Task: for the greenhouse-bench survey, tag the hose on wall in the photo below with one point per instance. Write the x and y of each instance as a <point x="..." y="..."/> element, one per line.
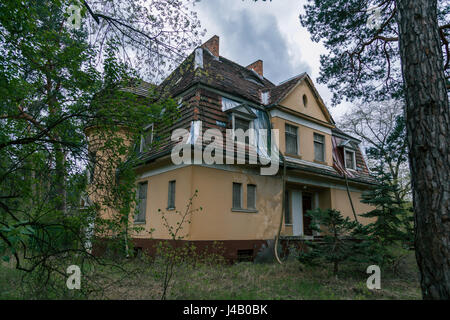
<point x="283" y="209"/>
<point x="349" y="197"/>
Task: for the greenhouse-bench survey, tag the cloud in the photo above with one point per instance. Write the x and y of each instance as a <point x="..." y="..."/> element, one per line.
<point x="248" y="34"/>
<point x="270" y="31"/>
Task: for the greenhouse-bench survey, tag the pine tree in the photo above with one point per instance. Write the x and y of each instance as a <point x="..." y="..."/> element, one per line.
<point x="343" y="239"/>
<point x="392" y="220"/>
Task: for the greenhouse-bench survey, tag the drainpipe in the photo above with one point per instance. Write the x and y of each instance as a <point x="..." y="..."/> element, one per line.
<point x="349" y="197"/>
<point x="283" y="209"/>
<point x="283" y="205"/>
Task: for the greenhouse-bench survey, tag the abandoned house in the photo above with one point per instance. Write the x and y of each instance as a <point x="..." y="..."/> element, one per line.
<point x="322" y="166"/>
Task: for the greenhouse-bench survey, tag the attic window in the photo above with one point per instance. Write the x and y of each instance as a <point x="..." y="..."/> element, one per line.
<point x="265" y="97"/>
<point x="244" y="124"/>
<point x="305" y="100"/>
<point x="198" y="58"/>
<point x="146" y="138"/>
<point x="350" y="159"/>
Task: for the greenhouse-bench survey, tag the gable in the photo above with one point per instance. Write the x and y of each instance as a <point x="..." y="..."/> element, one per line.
<point x="314" y="108"/>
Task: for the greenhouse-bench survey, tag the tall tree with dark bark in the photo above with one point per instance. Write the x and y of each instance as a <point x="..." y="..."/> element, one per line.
<point x="399" y="49"/>
<point x="428" y="127"/>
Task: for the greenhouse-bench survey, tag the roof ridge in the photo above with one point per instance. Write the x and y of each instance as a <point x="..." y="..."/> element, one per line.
<point x="242" y="67"/>
<point x="292" y="78"/>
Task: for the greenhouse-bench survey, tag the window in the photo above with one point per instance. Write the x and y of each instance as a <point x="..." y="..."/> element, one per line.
<point x="305" y="101"/>
<point x="243" y="124"/>
<point x="92" y="160"/>
<point x="291" y="138"/>
<point x="171" y="196"/>
<point x="265" y="97"/>
<point x="350" y="161"/>
<point x="237" y="195"/>
<point x="240" y="123"/>
<point x="245" y="255"/>
<point x="146" y="139"/>
<point x="287" y="209"/>
<point x="251" y="196"/>
<point x="319" y="147"/>
<point x="142" y="202"/>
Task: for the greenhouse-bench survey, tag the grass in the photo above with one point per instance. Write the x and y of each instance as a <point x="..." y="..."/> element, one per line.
<point x="244" y="281"/>
<point x="9" y="282"/>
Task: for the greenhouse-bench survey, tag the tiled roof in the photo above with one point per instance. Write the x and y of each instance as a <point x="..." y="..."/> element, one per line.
<point x="219" y="73"/>
<point x="229" y="77"/>
<point x="278" y="92"/>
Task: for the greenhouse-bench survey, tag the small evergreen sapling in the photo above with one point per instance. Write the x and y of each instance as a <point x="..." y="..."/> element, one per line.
<point x="337" y="244"/>
<point x="392" y="220"/>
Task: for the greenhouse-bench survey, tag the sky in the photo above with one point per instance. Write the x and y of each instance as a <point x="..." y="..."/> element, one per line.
<point x="270" y="31"/>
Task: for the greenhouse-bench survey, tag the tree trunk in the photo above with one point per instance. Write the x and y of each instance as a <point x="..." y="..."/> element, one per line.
<point x="428" y="132"/>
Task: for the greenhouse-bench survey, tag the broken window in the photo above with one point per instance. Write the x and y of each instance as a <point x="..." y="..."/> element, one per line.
<point x="291" y="138"/>
<point x="319" y="147"/>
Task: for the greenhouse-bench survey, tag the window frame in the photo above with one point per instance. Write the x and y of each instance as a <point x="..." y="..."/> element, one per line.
<point x="172" y="187"/>
<point x="254" y="197"/>
<point x="142" y="142"/>
<point x="241" y="196"/>
<point x="305" y="100"/>
<point x="353" y="152"/>
<point x="323" y="146"/>
<point x="251" y="140"/>
<point x="137" y="216"/>
<point x="286" y="133"/>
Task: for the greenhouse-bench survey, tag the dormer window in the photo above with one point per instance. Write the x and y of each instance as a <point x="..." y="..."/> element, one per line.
<point x="240" y="123"/>
<point x="350" y="159"/>
<point x="146" y="139"/>
<point x="244" y="124"/>
<point x="242" y="118"/>
<point x="265" y="97"/>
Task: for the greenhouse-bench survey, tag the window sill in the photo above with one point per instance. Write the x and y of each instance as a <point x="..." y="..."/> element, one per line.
<point x="244" y="210"/>
<point x="139" y="222"/>
<point x="170" y="209"/>
<point x="297" y="156"/>
<point x="321" y="162"/>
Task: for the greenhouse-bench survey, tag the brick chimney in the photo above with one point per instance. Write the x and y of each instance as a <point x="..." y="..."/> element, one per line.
<point x="257" y="66"/>
<point x="212" y="45"/>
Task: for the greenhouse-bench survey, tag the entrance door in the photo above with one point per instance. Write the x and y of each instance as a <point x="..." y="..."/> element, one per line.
<point x="297" y="220"/>
<point x="307" y="200"/>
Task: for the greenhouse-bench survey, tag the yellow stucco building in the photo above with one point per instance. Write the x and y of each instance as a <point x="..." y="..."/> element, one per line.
<point x="242" y="208"/>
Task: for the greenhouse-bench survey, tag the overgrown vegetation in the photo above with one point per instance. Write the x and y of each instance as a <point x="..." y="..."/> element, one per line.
<point x="56" y="82"/>
<point x="244" y="280"/>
